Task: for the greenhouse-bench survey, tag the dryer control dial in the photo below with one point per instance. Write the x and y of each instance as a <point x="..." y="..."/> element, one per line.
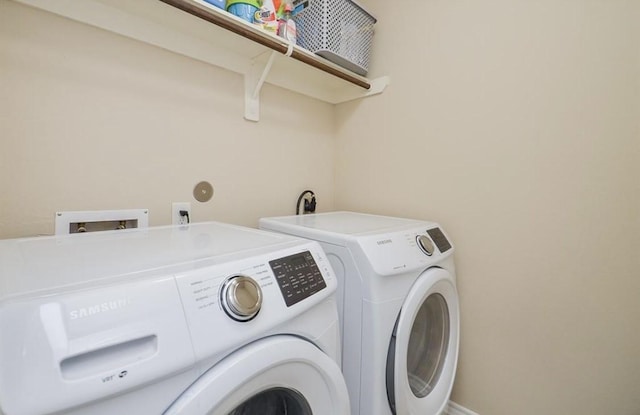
<point x="241" y="297"/>
<point x="425" y="244"/>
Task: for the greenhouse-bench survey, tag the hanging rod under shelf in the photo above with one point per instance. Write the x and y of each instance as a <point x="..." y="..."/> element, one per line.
<point x="264" y="39"/>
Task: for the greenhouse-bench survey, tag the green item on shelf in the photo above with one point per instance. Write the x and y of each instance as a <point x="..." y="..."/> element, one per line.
<point x="255" y="3"/>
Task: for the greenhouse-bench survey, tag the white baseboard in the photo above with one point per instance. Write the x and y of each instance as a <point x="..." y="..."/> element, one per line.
<point x="455" y="409"/>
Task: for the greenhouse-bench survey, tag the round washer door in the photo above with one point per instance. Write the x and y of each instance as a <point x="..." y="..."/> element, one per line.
<point x="424" y="351"/>
<point x="273" y="376"/>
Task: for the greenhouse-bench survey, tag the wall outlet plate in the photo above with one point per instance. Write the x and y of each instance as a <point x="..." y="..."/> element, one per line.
<point x="176" y="217"/>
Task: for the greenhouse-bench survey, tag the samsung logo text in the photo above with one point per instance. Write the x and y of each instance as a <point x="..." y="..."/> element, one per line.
<point x="100" y="308"/>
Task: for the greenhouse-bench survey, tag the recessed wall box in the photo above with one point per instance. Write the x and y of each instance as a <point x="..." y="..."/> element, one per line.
<point x="100" y="220"/>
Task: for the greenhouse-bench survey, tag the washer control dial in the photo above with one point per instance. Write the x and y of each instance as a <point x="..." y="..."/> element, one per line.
<point x="241" y="297"/>
<point x="425" y="244"/>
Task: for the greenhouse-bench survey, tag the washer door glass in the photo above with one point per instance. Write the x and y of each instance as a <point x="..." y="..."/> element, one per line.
<point x="276" y="401"/>
<point x="277" y="375"/>
<point x="428" y="344"/>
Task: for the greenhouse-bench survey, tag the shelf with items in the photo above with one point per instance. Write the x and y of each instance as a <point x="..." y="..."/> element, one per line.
<point x="203" y="32"/>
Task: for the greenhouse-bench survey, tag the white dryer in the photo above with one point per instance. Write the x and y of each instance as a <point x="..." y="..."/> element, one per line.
<point x="398" y="304"/>
<point x="200" y="319"/>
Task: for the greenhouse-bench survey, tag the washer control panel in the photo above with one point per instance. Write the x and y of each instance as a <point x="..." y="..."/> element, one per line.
<point x="232" y="302"/>
<point x="298" y="277"/>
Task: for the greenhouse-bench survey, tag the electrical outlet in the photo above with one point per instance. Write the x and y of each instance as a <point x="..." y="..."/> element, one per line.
<point x="176" y="217"/>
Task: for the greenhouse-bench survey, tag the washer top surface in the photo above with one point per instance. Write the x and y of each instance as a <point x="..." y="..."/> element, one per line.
<point x="49" y="262"/>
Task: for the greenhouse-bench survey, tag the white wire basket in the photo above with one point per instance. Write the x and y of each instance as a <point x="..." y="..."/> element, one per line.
<point x="338" y="30"/>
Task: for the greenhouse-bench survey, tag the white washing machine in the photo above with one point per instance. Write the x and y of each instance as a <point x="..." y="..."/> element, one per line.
<point x="200" y="319"/>
<point x="398" y="304"/>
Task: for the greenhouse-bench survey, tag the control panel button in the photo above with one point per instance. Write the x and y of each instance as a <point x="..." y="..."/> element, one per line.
<point x="425" y="244"/>
<point x="241" y="297"/>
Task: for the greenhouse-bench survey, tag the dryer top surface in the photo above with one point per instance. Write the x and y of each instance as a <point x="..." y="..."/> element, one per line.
<point x="341" y="225"/>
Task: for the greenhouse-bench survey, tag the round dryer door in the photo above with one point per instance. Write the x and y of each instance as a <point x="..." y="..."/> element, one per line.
<point x="423" y="352"/>
<point x="274" y="376"/>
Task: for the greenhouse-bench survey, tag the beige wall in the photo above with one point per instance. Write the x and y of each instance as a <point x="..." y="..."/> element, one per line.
<point x="91" y="120"/>
<point x="515" y="125"/>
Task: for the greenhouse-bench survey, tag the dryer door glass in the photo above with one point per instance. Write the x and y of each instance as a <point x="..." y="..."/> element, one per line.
<point x="428" y="344"/>
<point x="424" y="347"/>
<point x="276" y="401"/>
